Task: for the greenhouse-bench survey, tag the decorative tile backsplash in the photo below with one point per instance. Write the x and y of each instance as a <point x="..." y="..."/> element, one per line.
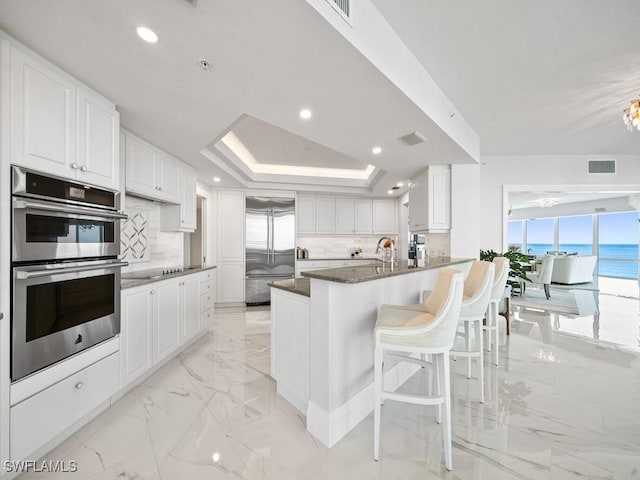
<point x="145" y="245"/>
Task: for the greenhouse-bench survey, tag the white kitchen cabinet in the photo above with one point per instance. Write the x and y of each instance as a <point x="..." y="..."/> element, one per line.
<point x="309" y="265"/>
<point x="345" y="215"/>
<point x="439" y="198"/>
<point x="181" y="218"/>
<point x="190" y="305"/>
<point x="384" y="216"/>
<point x="43" y="116"/>
<point x="59" y="126"/>
<point x="430" y="201"/>
<point x="98" y="160"/>
<point x="136" y="327"/>
<point x="306" y="214"/>
<point x="363" y="221"/>
<point x="231" y="226"/>
<point x="207" y="298"/>
<point x="166" y="325"/>
<point x="42" y="417"/>
<point x="325" y="215"/>
<point x="230" y="282"/>
<point x="150" y="173"/>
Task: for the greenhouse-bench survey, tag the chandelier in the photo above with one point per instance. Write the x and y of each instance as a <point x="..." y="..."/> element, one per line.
<point x="632" y="115"/>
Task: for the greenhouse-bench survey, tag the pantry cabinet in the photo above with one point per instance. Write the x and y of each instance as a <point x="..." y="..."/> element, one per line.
<point x="230" y="245"/>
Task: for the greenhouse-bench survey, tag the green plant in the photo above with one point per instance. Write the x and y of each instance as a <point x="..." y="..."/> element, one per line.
<point x="517" y="261"/>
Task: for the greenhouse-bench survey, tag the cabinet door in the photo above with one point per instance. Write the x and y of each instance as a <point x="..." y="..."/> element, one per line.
<point x="325" y="215"/>
<point x="168" y="178"/>
<point x="188" y="197"/>
<point x="363" y="215"/>
<point x="384" y="216"/>
<point x="141" y="162"/>
<point x="418" y="204"/>
<point x="230" y="282"/>
<point x="439" y="204"/>
<point x="345" y="215"/>
<point x="166" y="330"/>
<point x="190" y="306"/>
<point x="98" y="142"/>
<point x="136" y="355"/>
<point x="231" y="231"/>
<point x="43" y="117"/>
<point x="306" y="218"/>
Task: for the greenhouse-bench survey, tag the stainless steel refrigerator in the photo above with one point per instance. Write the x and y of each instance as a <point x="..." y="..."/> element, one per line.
<point x="269" y="250"/>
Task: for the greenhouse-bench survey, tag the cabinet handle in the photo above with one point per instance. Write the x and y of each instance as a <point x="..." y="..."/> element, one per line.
<point x="83" y="168"/>
<point x="182" y="284"/>
<point x="152" y="292"/>
<point x="159" y="188"/>
<point x="74" y="166"/>
<point x="79" y="385"/>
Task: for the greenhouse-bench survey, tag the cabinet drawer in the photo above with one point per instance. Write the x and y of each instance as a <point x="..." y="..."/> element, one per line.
<point x="206" y="301"/>
<point x="207" y="275"/>
<point x="206" y="287"/>
<point x="206" y="318"/>
<point x="40" y="418"/>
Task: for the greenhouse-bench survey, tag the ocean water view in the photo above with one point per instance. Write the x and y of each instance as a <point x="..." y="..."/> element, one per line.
<point x="611" y="256"/>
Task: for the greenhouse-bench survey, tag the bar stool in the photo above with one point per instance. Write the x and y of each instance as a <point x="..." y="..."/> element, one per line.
<point x="477" y="291"/>
<point x="497" y="294"/>
<point x="429" y="329"/>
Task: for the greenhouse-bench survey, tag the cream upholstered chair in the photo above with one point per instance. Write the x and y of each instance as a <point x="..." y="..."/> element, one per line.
<point x="543" y="274"/>
<point x="477" y="292"/>
<point x="427" y="329"/>
<point x="497" y="293"/>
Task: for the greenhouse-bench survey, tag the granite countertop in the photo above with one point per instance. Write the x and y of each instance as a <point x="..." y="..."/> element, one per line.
<point x="144" y="277"/>
<point x="300" y="286"/>
<point x="366" y="273"/>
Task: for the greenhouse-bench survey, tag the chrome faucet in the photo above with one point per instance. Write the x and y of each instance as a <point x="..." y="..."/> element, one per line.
<point x="391" y="241"/>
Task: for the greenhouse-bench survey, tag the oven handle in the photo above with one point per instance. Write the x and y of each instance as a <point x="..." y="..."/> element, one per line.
<point x="34" y="204"/>
<point x="23" y="275"/>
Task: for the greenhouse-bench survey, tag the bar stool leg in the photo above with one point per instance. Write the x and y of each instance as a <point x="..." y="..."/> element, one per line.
<point x="467" y="339"/>
<point x="446" y="391"/>
<point x="481" y="361"/>
<point x="489" y="320"/>
<point x="377" y="397"/>
<point x="437" y="365"/>
<point x="496" y="316"/>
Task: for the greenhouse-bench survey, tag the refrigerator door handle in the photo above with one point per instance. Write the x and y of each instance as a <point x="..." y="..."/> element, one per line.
<point x="268" y="236"/>
<point x="273" y="235"/>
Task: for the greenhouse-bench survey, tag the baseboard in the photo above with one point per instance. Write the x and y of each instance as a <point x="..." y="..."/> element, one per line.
<point x="294" y="396"/>
<point x="330" y="427"/>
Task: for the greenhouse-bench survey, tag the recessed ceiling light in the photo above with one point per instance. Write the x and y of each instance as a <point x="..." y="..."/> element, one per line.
<point x="376" y="150"/>
<point x="147" y="34"/>
<point x="399" y="184"/>
<point x="390" y="192"/>
<point x="216" y="179"/>
<point x="305" y="114"/>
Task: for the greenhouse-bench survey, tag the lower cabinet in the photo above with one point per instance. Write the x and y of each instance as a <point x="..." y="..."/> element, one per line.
<point x="207" y="298"/>
<point x="231" y="282"/>
<point x="40" y="418"/>
<point x="156" y="320"/>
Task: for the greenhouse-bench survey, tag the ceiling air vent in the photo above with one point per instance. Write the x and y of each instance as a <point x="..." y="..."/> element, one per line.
<point x="343" y="7"/>
<point x="601" y="166"/>
<point x="413" y="138"/>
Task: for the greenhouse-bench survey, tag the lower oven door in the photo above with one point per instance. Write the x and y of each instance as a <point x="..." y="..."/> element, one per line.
<point x="61" y="309"/>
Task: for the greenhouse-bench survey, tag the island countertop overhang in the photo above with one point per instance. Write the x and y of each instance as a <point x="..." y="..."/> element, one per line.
<point x="367" y="273"/>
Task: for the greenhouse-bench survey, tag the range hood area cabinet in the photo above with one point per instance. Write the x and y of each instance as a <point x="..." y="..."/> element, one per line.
<point x="430" y="201"/>
<point x="345" y="215"/>
<point x="58" y="125"/>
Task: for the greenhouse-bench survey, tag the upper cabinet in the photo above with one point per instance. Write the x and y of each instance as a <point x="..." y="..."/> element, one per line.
<point x="151" y="173"/>
<point x="430" y="201"/>
<point x="345" y="215"/>
<point x="182" y="218"/>
<point x="59" y="126"/>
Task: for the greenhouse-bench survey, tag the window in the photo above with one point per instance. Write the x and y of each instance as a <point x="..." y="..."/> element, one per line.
<point x="514" y="234"/>
<point x="618" y="245"/>
<point x="575" y="234"/>
<point x="539" y="236"/>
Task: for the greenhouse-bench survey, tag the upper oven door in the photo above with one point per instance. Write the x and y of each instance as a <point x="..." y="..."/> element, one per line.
<point x="54" y="231"/>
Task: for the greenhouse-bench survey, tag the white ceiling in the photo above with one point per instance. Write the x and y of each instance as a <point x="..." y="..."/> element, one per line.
<point x="530" y="77"/>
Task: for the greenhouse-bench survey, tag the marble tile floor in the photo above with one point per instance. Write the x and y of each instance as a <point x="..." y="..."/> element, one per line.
<point x="567" y="410"/>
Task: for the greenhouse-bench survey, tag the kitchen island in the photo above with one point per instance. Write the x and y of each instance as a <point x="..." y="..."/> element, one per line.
<point x="322" y="338"/>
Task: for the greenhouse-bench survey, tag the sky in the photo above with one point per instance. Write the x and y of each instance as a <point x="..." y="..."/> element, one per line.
<point x="613" y="228"/>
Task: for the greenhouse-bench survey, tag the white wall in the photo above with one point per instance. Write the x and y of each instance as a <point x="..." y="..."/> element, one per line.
<point x="466" y="211"/>
<point x="499" y="173"/>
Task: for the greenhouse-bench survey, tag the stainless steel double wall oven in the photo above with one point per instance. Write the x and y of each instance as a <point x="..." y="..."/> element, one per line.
<point x="66" y="274"/>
